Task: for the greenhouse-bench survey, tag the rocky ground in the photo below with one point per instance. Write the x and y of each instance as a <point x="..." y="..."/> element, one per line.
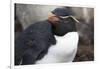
<point x="84" y="53"/>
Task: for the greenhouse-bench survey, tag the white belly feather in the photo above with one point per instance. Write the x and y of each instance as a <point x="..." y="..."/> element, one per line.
<point x="64" y="50"/>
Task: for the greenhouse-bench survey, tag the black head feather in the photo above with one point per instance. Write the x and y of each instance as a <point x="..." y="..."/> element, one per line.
<point x="64" y="26"/>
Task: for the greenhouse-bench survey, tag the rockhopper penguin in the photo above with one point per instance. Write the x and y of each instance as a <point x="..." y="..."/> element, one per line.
<point x="49" y="41"/>
<point x="66" y="36"/>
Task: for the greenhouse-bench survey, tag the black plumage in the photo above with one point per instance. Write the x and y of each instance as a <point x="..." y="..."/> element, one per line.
<point x="33" y="43"/>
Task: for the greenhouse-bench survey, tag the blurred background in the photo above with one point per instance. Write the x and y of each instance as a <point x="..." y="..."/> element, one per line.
<point x="27" y="14"/>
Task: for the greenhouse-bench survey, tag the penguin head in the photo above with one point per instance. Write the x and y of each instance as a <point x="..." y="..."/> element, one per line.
<point x="64" y="25"/>
<point x="62" y="21"/>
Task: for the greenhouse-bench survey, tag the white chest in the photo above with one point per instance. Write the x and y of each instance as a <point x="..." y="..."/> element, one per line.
<point x="64" y="50"/>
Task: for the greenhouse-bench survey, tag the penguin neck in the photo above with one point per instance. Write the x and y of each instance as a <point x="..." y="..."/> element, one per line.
<point x="63" y="29"/>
